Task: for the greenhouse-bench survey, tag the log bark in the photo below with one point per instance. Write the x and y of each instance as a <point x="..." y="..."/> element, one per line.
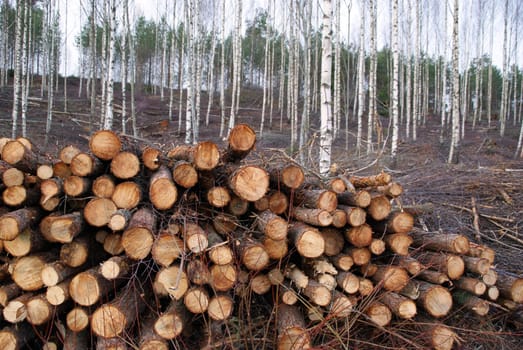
<point x="481" y="251"/>
<point x="453" y="243"/>
<point x="119" y="220"/>
<point x="510" y="286"/>
<point x="225" y="224"/>
<point x="148" y="338"/>
<point x="434" y="299"/>
<point x="398" y="243"/>
<point x="118" y="343"/>
<point x="396" y="222"/>
<point x="15" y="153"/>
<point x="56" y="272"/>
<point x="278" y="202"/>
<point x="317" y="293"/>
<point x="391" y="190"/>
<point x="14" y="222"/>
<point x="479" y="266"/>
<point x="320" y="199"/>
<point x="339" y="218"/>
<point x="300" y="279"/>
<point x="98" y="211"/>
<point x="292" y="333"/>
<point x="9" y="292"/>
<point x="105" y="144"/>
<point x="162" y="190"/>
<point x="112" y="319"/>
<point x="308" y="240"/>
<point x="292" y="176"/>
<point x="450" y="264"/>
<point x="410" y="264"/>
<point x="171" y="281"/>
<point x="238" y="206"/>
<point x="359" y="198"/>
<point x="348" y="281"/>
<point x="61" y="170"/>
<point x="128" y="194"/>
<point x="334" y="241"/>
<point x="380" y="179"/>
<point x="435" y="277"/>
<point x="253" y="255"/>
<point x="198" y="272"/>
<point x="400" y="305"/>
<point x="355" y="216"/>
<point x="471" y="285"/>
<point x="272" y="225"/>
<point x="28" y="241"/>
<point x="195" y="238"/>
<point x="84" y="164"/>
<point x="62" y="228"/>
<point x="359" y="236"/>
<point x="138" y="238"/>
<point x="14" y="338"/>
<point x="471" y="302"/>
<point x="76" y="186"/>
<point x="58" y="294"/>
<point x="88" y="287"/>
<point x="391" y="278"/>
<point x="172" y="321"/>
<point x="241" y="141"/>
<point x="249" y="182"/>
<point x="115" y="267"/>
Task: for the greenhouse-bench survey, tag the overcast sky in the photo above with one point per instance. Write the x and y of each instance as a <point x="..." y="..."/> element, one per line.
<point x="152" y="9"/>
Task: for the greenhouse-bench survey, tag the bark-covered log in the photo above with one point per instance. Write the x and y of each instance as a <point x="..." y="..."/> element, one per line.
<point x="400" y="305"/>
<point x="434" y="299"/>
<point x="162" y="190"/>
<point x="103" y="186"/>
<point x="471" y="285"/>
<point x="471" y="302"/>
<point x="308" y="240"/>
<point x="249" y="182"/>
<point x="84" y="164"/>
<point x="359" y="236"/>
<point x="151" y="158"/>
<point x="510" y="286"/>
<point x="379" y="313"/>
<point x="28" y="241"/>
<point x="62" y="228"/>
<point x="292" y="176"/>
<point x="27" y="271"/>
<point x="14" y="338"/>
<point x="480" y="266"/>
<point x="89" y="287"/>
<point x="380" y="179"/>
<point x="184" y="174"/>
<point x="198" y="272"/>
<point x="320" y="199"/>
<point x="450" y="264"/>
<point x="391" y="278"/>
<point x="360" y="198"/>
<point x="196" y="300"/>
<point x="453" y="243"/>
<point x="355" y="216"/>
<point x="138" y="238"/>
<point x="396" y="222"/>
<point x="172" y="321"/>
<point x="481" y="251"/>
<point x="14" y="222"/>
<point x="17" y="154"/>
<point x="241" y="141"/>
<point x="398" y="243"/>
<point x="334" y="241"/>
<point x="272" y="225"/>
<point x="98" y="211"/>
<point x="435" y="277"/>
<point x="77" y="319"/>
<point x="315" y="217"/>
<point x="379" y="207"/>
<point x="292" y="333"/>
<point x="220" y="307"/>
<point x="9" y="292"/>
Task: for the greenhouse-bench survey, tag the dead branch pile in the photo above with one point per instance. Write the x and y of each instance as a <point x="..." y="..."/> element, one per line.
<point x="119" y="245"/>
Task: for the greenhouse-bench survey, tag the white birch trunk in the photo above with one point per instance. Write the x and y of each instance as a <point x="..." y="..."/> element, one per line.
<point x="337" y="71"/>
<point x="171" y="63"/>
<point x="416" y="100"/>
<point x="348" y="82"/>
<point x="124" y="39"/>
<point x="325" y="90"/>
<point x="454" y="145"/>
<point x="444" y="96"/>
<point x="190" y="57"/>
<point x="108" y="122"/>
<point x="222" y="72"/>
<point x="25" y="65"/>
<point x="51" y="69"/>
<point x="395" y="77"/>
<point x="504" y="89"/>
<point x="92" y="40"/>
<point x="372" y="75"/>
<point x="18" y="65"/>
<point x="361" y="78"/>
<point x="65" y="60"/>
<point x="210" y="80"/>
<point x="266" y="77"/>
<point x="304" y="129"/>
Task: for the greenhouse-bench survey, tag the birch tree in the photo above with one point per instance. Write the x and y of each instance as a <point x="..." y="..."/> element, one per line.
<point x="108" y="121"/>
<point x="395" y="78"/>
<point x="372" y="75"/>
<point x="325" y="93"/>
<point x="18" y="65"/>
<point x="416" y="99"/>
<point x="361" y="77"/>
<point x="307" y="79"/>
<point x="92" y="42"/>
<point x="337" y="70"/>
<point x="210" y="79"/>
<point x="222" y="72"/>
<point x="237" y="58"/>
<point x="504" y="89"/>
<point x="123" y="46"/>
<point x="51" y="64"/>
<point x="172" y="62"/>
<point x="454" y="145"/>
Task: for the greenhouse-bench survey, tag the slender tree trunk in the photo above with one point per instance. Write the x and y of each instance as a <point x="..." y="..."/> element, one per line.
<point x="210" y="82"/>
<point x="336" y="107"/>
<point x="189" y="108"/>
<point x="222" y="73"/>
<point x="237" y="65"/>
<point x="181" y="59"/>
<point x="504" y="89"/>
<point x="444" y="96"/>
<point x="163" y="69"/>
<point x="372" y="75"/>
<point x="104" y="61"/>
<point x="92" y="41"/>
<point x="454" y="145"/>
<point x="325" y="91"/>
<point x="348" y="82"/>
<point x="416" y="101"/>
<point x="124" y="38"/>
<point x="25" y="65"/>
<point x="171" y="63"/>
<point x="65" y="60"/>
<point x="18" y="65"/>
<point x="361" y="78"/>
<point x="51" y="64"/>
<point x="408" y="77"/>
<point x="108" y="122"/>
<point x="307" y="81"/>
<point x="479" y="63"/>
<point x="395" y="73"/>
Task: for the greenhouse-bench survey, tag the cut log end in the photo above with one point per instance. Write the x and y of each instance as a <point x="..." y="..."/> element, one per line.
<point x="105" y="144"/>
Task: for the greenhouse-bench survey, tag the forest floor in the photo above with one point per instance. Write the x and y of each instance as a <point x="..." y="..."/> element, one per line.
<point x="487" y="173"/>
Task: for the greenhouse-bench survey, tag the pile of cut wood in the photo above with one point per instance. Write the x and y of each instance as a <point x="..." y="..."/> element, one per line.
<point x="121" y="246"/>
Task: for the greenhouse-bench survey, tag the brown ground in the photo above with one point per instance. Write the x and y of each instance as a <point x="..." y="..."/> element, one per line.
<point x="487" y="171"/>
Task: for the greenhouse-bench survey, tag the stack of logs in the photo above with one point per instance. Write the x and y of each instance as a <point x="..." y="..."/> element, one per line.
<point x="121" y="246"/>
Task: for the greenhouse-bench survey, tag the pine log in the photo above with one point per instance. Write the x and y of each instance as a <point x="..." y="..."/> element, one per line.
<point x="198" y="272"/>
<point x="151" y="158"/>
<point x="44" y="172"/>
<point x="400" y="305"/>
<point x="40" y="311"/>
<point x="84" y="164"/>
<point x="471" y="302"/>
<point x="223" y="277"/>
<point x="125" y="165"/>
<point x="315" y="217"/>
<point x="117" y="343"/>
<point x="377" y="246"/>
<point x="58" y="294"/>
<point x="103" y="186"/>
<point x="105" y="144"/>
<point x="241" y="141"/>
<point x="115" y="267"/>
<point x="262" y="204"/>
<point x="16" y="153"/>
<point x="218" y="196"/>
<point x="439" y="336"/>
<point x="61" y="170"/>
<point x="67" y="153"/>
<point x="344" y="262"/>
<point x="292" y="176"/>
<point x="77" y="319"/>
<point x="379" y="207"/>
<point x="379" y="313"/>
<point x="13" y="177"/>
<point x="127" y="195"/>
<point x="411" y="290"/>
<point x="162" y="190"/>
<point x="348" y="281"/>
<point x="337" y="185"/>
<point x="77" y="252"/>
<point x="119" y="220"/>
<point x="8" y="292"/>
<point x="225" y="223"/>
<point x="287" y="294"/>
<point x="249" y="182"/>
<point x="88" y="287"/>
<point x="238" y="206"/>
<point x="320" y="199"/>
<point x="260" y="284"/>
<point x="272" y="225"/>
<point x="490" y="278"/>
<point x="276" y="249"/>
<point x="196" y="300"/>
<point x="360" y="256"/>
<point x="480" y="266"/>
<point x="206" y="156"/>
<point x="366" y="287"/>
<point x="392" y="190"/>
<point x="435" y="277"/>
<point x="195" y="238"/>
<point x="359" y="236"/>
<point x="14" y="222"/>
<point x="380" y="179"/>
<point x="75" y="186"/>
<point x="510" y="286"/>
<point x="16" y="196"/>
<point x="75" y="340"/>
<point x="172" y="321"/>
<point x="113" y="244"/>
<point x="317" y="293"/>
<point x="359" y="199"/>
<point x="453" y="243"/>
<point x="62" y="228"/>
<point x="292" y="333"/>
<point x="113" y="318"/>
<point x="171" y="281"/>
<point x="27" y="270"/>
<point x="434" y="299"/>
<point x="492" y="293"/>
<point x="278" y="202"/>
<point x="50" y="204"/>
<point x="391" y="278"/>
<point x="98" y="211"/>
<point x="398" y="243"/>
<point x="410" y="264"/>
<point x="14" y="338"/>
<point x="184" y="174"/>
<point x="396" y="222"/>
<point x="220" y="307"/>
<point x="334" y="241"/>
<point x="56" y="272"/>
<point x="341" y="305"/>
<point x="308" y="240"/>
<point x="297" y="276"/>
<point x="481" y="251"/>
<point x="15" y="311"/>
<point x="137" y="239"/>
<point x="166" y="249"/>
<point x="28" y="241"/>
<point x="148" y="338"/>
<point x="50" y="188"/>
<point x="253" y="254"/>
<point x="355" y="216"/>
<point x="339" y="218"/>
<point x="450" y="264"/>
<point x="471" y="285"/>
